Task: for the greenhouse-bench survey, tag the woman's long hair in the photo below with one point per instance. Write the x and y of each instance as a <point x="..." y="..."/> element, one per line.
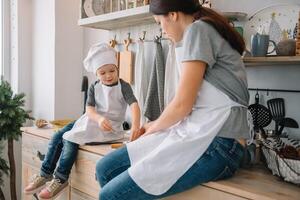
<point x="193" y="7"/>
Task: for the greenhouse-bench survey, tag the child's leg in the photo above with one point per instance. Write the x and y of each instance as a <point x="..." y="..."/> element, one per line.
<point x="66" y="160"/>
<point x="54" y="150"/>
<point x="61" y="175"/>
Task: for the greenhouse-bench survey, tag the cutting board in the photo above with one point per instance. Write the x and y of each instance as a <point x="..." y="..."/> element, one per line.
<point x="126" y="64"/>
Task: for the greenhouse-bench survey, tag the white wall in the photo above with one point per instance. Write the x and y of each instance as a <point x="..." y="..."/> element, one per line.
<point x="43" y="58"/>
<point x="56" y="60"/>
<point x="68" y="60"/>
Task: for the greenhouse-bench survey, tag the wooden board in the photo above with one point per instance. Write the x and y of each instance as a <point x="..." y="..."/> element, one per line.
<point x="272" y="60"/>
<point x="204" y="192"/>
<point x="126" y="68"/>
<point x="77" y="195"/>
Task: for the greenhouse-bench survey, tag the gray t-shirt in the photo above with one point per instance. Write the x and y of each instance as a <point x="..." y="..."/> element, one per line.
<point x="225" y="70"/>
<point x="125" y="89"/>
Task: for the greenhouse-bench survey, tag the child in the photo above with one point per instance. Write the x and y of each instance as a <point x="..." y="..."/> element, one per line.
<point x="105" y="112"/>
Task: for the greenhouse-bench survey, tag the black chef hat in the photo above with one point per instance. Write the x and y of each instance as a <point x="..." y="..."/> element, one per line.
<point x="162" y="7"/>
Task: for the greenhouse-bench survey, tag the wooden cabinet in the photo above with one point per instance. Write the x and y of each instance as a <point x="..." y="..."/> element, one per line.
<point x="255" y="183"/>
<point x="83" y="173"/>
<point x="34" y="147"/>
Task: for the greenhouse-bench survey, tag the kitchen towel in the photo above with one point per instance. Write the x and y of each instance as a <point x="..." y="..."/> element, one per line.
<point x="171" y="75"/>
<point x="154" y="103"/>
<point x="140" y="77"/>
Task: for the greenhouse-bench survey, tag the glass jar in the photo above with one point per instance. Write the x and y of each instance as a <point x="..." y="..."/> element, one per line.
<point x="122" y="4"/>
<point x="115" y="5"/>
<point x="140" y="3"/>
<point x="131" y="4"/>
<point x="107" y="6"/>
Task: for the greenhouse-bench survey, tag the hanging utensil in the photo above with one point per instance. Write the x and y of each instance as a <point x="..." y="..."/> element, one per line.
<point x="287" y="122"/>
<point x="261" y="115"/>
<point x="277" y="109"/>
<point x="84" y="89"/>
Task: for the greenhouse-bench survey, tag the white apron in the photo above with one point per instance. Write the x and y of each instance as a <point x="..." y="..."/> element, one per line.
<point x="110" y="104"/>
<point x="160" y="159"/>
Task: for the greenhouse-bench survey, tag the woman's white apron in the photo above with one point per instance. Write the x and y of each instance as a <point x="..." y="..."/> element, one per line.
<point x="110" y="104"/>
<point x="160" y="159"/>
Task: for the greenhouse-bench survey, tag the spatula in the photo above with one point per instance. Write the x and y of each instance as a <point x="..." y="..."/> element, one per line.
<point x="277" y="109"/>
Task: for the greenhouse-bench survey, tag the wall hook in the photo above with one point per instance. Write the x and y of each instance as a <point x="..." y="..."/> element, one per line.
<point x="144" y="36"/>
<point x="160" y="35"/>
<point x="127" y="42"/>
<point x="113" y="42"/>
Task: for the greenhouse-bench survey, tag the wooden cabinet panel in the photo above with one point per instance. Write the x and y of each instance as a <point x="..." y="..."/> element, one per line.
<point x="83" y="173"/>
<point x="205" y="193"/>
<point x="27" y="172"/>
<point x="77" y="195"/>
<point x="31" y="147"/>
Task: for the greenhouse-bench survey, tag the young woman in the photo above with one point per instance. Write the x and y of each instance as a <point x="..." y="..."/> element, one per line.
<point x="200" y="135"/>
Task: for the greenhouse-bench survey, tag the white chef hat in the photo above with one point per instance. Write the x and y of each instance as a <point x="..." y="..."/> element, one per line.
<point x="99" y="55"/>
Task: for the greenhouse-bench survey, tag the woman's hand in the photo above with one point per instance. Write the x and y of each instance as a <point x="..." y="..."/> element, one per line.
<point x="104" y="124"/>
<point x="136" y="134"/>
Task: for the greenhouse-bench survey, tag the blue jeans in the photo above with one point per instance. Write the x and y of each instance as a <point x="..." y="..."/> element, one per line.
<point x="62" y="150"/>
<point x="220" y="161"/>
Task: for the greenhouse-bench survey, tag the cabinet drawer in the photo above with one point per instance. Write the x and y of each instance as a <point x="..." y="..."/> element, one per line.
<point x="205" y="193"/>
<point x="77" y="195"/>
<point x="83" y="174"/>
<point x="31" y="147"/>
<point x="27" y="172"/>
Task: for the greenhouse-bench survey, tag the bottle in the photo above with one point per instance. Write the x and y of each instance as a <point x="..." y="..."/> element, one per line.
<point x="275" y="30"/>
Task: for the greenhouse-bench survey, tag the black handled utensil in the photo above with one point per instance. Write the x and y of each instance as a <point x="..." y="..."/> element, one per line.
<point x="287" y="122"/>
<point x="84" y="88"/>
<point x="277" y="109"/>
<point x="261" y="115"/>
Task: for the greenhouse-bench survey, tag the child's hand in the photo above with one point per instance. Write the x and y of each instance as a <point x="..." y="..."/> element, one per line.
<point x="104" y="124"/>
<point x="135" y="134"/>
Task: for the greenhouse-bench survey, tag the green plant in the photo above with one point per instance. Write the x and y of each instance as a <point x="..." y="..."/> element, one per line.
<point x="3" y="171"/>
<point x="12" y="117"/>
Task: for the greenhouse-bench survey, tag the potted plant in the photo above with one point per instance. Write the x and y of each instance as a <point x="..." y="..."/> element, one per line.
<point x="12" y="117"/>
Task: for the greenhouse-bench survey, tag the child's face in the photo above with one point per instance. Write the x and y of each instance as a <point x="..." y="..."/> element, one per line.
<point x="108" y="74"/>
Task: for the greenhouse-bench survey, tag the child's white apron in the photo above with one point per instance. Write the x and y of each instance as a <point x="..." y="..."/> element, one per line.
<point x="160" y="159"/>
<point x="110" y="104"/>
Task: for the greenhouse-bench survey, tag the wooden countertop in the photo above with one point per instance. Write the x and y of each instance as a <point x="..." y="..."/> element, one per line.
<point x="256" y="183"/>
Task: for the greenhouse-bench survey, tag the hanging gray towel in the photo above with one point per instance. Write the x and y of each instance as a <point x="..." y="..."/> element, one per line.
<point x="154" y="104"/>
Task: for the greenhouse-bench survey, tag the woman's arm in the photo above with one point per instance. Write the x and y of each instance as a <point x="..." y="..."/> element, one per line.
<point x="185" y="97"/>
<point x="136" y="117"/>
<point x="103" y="123"/>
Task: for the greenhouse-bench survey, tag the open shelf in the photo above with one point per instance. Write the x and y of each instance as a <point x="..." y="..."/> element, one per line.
<point x="120" y="19"/>
<point x="132" y="17"/>
<point x="272" y="60"/>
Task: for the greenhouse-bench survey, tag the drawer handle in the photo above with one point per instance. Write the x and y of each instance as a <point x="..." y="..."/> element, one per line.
<point x="40" y="156"/>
